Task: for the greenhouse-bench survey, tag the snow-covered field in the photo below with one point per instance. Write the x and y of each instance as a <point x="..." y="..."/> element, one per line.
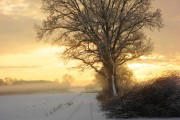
<point x="71" y="106"/>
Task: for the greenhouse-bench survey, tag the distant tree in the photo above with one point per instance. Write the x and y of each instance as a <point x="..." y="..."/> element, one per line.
<point x="67" y="81"/>
<point x="91" y="88"/>
<point x="9" y="81"/>
<point x="56" y="80"/>
<point x="101" y="33"/>
<point x="1" y="82"/>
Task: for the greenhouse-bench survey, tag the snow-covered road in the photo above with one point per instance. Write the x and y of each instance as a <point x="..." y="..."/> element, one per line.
<point x="50" y="107"/>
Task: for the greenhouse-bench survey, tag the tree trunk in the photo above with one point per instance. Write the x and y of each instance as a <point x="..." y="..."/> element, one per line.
<point x="113" y="86"/>
<point x="112" y="81"/>
<point x="113" y="78"/>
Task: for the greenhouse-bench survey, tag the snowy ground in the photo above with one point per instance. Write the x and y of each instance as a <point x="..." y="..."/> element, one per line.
<point x="50" y="107"/>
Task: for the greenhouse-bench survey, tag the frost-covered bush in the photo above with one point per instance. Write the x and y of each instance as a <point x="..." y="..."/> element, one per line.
<point x="160" y="98"/>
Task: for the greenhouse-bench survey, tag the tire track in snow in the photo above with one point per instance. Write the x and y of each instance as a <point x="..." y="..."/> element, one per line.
<point x="61" y="105"/>
<point x="74" y="112"/>
<point x="91" y="109"/>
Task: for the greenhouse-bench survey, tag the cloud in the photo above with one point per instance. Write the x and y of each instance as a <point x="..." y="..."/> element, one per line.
<point x="21" y="7"/>
<point x="17" y="35"/>
<point x="166" y="41"/>
<point x="154" y="65"/>
<point x="152" y="57"/>
<point x="173" y="59"/>
<point x="21" y="67"/>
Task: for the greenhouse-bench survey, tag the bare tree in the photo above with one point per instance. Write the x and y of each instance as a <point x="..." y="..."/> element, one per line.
<point x="1" y="82"/>
<point x="67" y="81"/>
<point x="100" y="33"/>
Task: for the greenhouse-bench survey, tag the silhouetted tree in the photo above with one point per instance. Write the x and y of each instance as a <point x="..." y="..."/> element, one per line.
<point x="67" y="81"/>
<point x="1" y="82"/>
<point x="91" y="88"/>
<point x="8" y="81"/>
<point x="100" y="33"/>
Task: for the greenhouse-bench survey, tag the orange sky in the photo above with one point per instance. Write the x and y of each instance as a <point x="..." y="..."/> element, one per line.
<point x="22" y="57"/>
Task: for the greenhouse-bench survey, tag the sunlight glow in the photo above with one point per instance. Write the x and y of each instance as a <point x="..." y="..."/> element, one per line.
<point x="152" y="57"/>
<point x="144" y="71"/>
<point x="49" y="50"/>
<point x="41" y="64"/>
<point x="139" y="65"/>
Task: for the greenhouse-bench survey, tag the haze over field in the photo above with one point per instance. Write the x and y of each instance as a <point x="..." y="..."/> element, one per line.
<point x="21" y="56"/>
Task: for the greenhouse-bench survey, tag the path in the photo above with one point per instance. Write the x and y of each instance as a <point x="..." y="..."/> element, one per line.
<point x="84" y="107"/>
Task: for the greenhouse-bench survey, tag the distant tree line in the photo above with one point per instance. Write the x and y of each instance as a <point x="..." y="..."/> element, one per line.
<point x="7" y="81"/>
<point x="19" y="86"/>
<point x="11" y="81"/>
<point x="65" y="83"/>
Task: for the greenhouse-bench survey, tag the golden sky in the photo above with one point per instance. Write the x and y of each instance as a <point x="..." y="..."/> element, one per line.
<point x="22" y="57"/>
